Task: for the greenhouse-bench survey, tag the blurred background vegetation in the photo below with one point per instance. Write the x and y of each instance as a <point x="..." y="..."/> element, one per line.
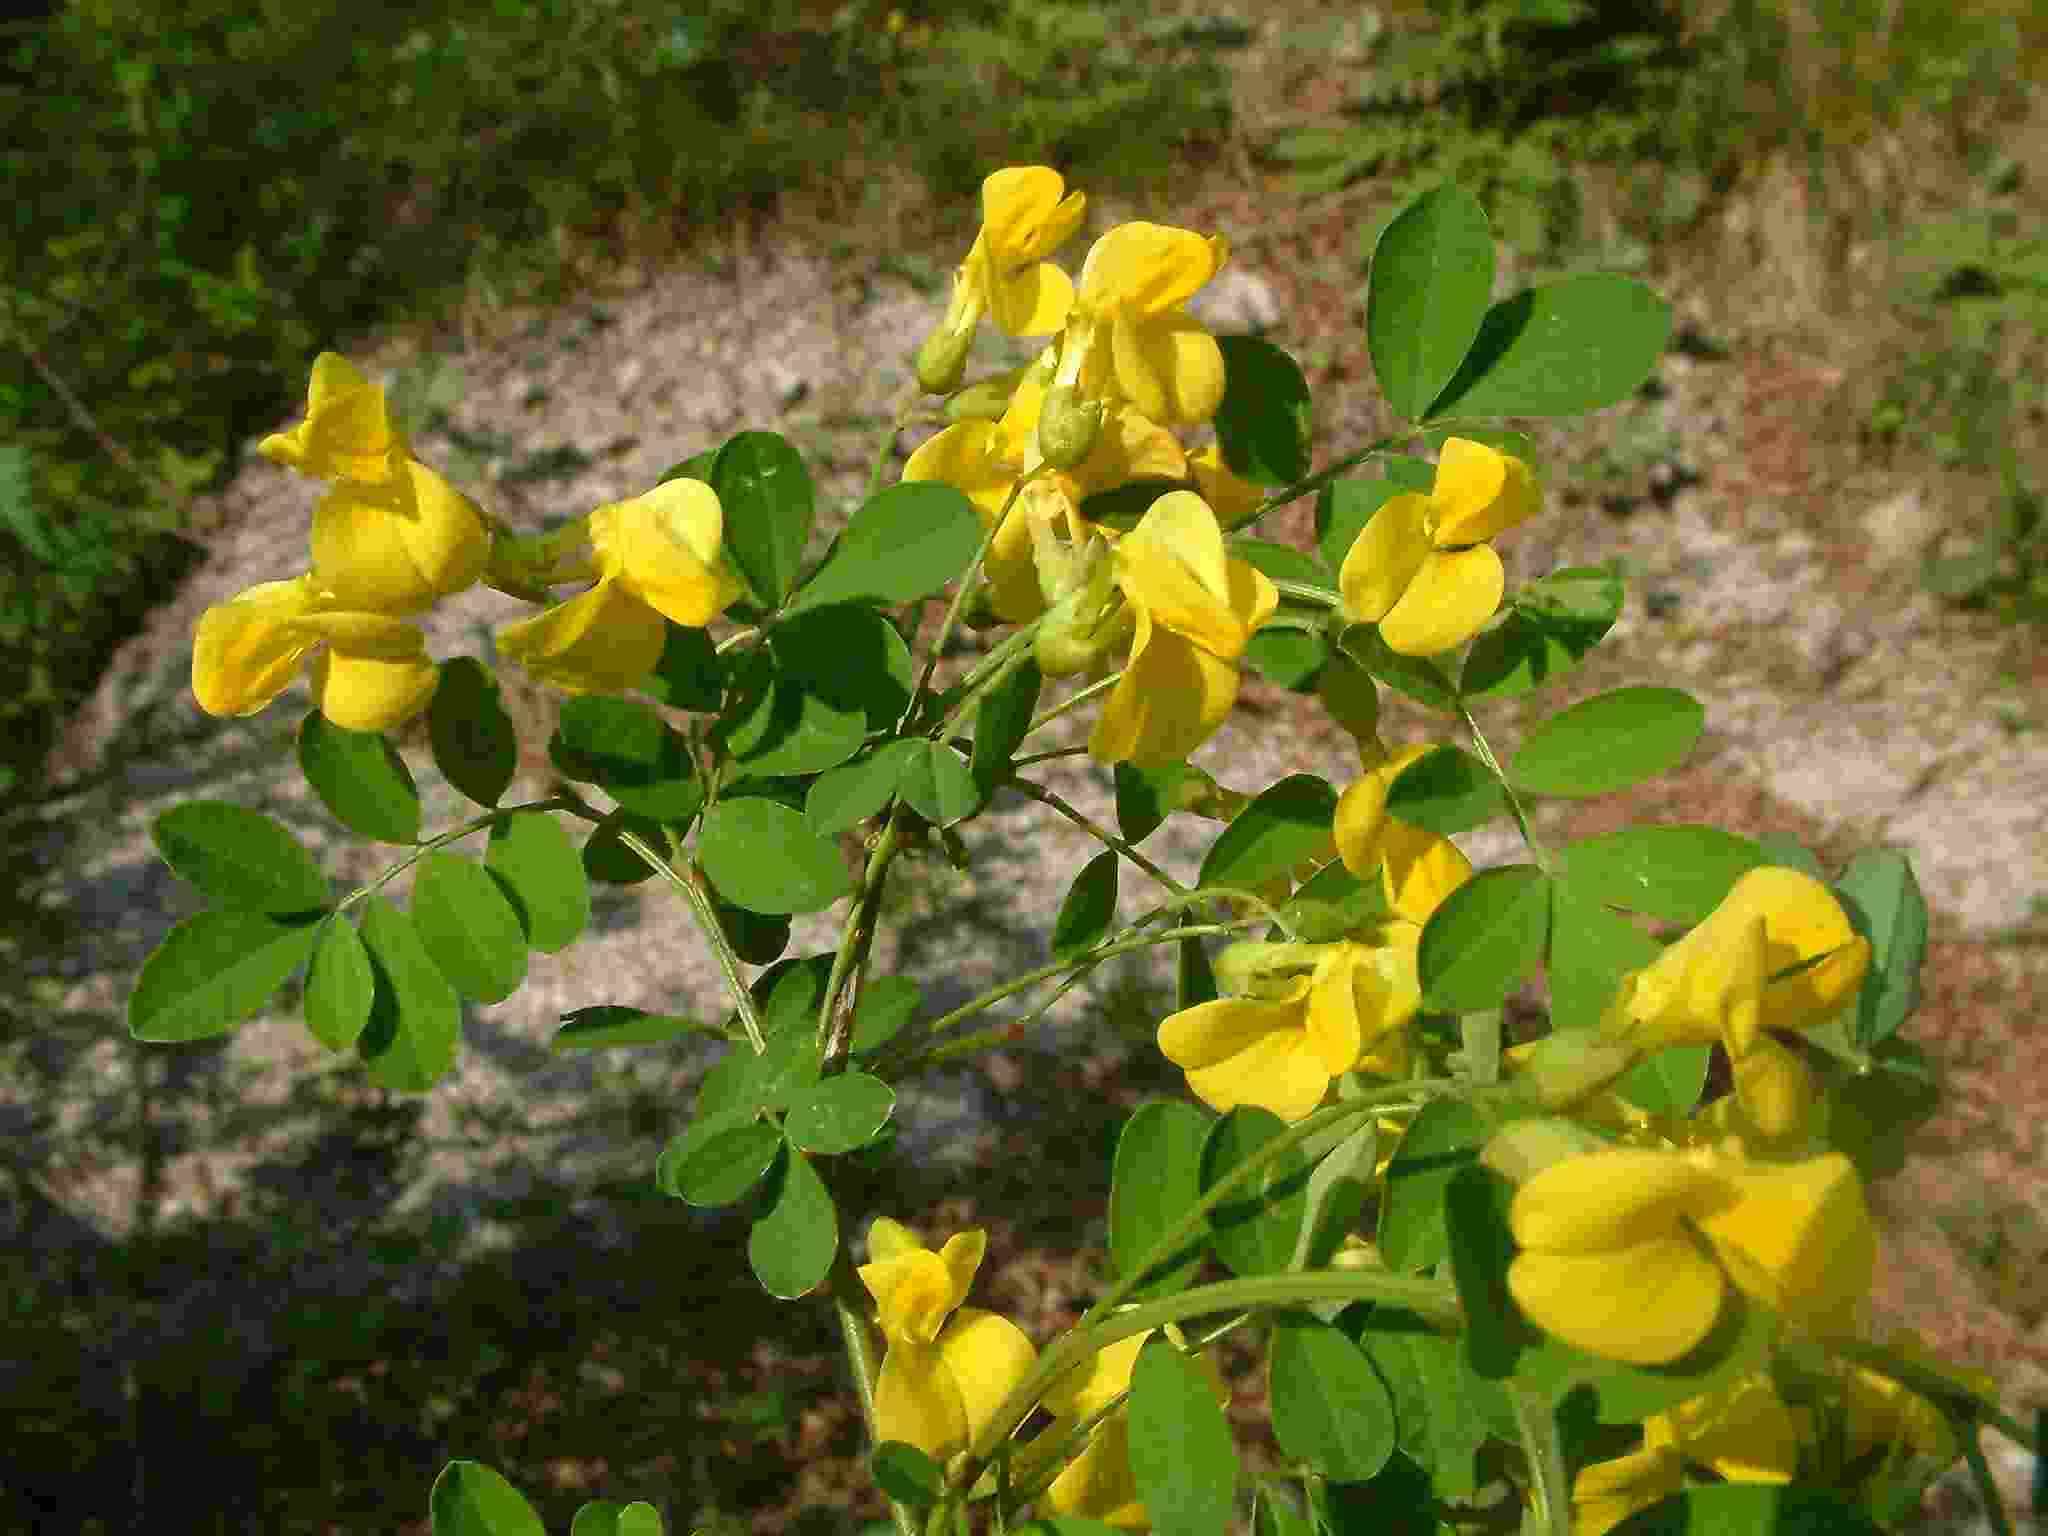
<point x="204" y="193"/>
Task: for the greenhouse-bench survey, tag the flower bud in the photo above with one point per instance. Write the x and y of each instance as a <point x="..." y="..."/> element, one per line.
<point x="1249" y="966"/>
<point x="942" y="360"/>
<point x="1068" y="426"/>
<point x="985" y="399"/>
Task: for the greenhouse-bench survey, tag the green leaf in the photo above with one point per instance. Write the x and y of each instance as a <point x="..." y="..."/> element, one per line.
<point x="763" y="857"/>
<point x="610" y="1024"/>
<point x="1289" y="658"/>
<point x="1401" y="1501"/>
<point x="1884" y="904"/>
<point x="1333" y="901"/>
<point x="1288" y="823"/>
<point x="1330" y="1408"/>
<point x="470" y="930"/>
<point x="1669" y="1082"/>
<point x="1343" y="508"/>
<point x="1679" y="873"/>
<point x="1484" y="938"/>
<point x="1194" y="979"/>
<point x="1786" y="851"/>
<point x="1408" y="472"/>
<point x="1444" y="1136"/>
<point x="690" y="674"/>
<point x="1609" y="742"/>
<point x="212" y="971"/>
<point x="340" y="985"/>
<point x="1550" y="628"/>
<point x="768" y="502"/>
<point x="1442" y="1412"/>
<point x="938" y="784"/>
<point x="474" y="743"/>
<point x="361" y="779"/>
<point x="1275" y="1514"/>
<point x="825" y="680"/>
<point x="905" y="542"/>
<point x="1872" y="1115"/>
<point x="906" y="1474"/>
<point x="469" y="1499"/>
<point x="1560" y="350"/>
<point x="1416" y="676"/>
<point x="1476" y="1229"/>
<point x="1591" y="949"/>
<point x="602" y="1517"/>
<point x="1089" y="909"/>
<point x="791" y="1247"/>
<point x="1001" y="723"/>
<point x="1255" y="1229"/>
<point x="626" y="750"/>
<point x="1446" y="790"/>
<point x="1282" y="562"/>
<point x="1335" y="1198"/>
<point x="1155" y="1179"/>
<point x="415" y="1019"/>
<point x="725" y="1166"/>
<point x="845" y="796"/>
<point x="1145" y="797"/>
<point x="1182" y="1458"/>
<point x="754" y="938"/>
<point x="1431" y="276"/>
<point x="1263" y="421"/>
<point x="840" y="1114"/>
<point x="542" y="874"/>
<point x="785" y="1072"/>
<point x="787" y="994"/>
<point x="886" y="1004"/>
<point x="1750" y="1509"/>
<point x="239" y="858"/>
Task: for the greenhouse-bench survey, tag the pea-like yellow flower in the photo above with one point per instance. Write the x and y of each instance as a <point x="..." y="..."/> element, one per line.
<point x="370" y="671"/>
<point x="1777" y="953"/>
<point x="392" y="536"/>
<point x="1628" y="1252"/>
<point x="349" y="432"/>
<point x="1193" y="608"/>
<point x="1026" y="213"/>
<point x="1097" y="1484"/>
<point x="1417" y="867"/>
<point x="1605" y="1493"/>
<point x="1421" y="568"/>
<point x="946" y="1368"/>
<point x="1129" y="336"/>
<point x="657" y="557"/>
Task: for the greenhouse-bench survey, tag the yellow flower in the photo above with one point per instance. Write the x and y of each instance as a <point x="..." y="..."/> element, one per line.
<point x="946" y="1368"/>
<point x="1883" y="1414"/>
<point x="369" y="671"/>
<point x="1193" y="609"/>
<point x="1129" y="336"/>
<point x="1777" y="953"/>
<point x="657" y="556"/>
<point x="396" y="549"/>
<point x="349" y="432"/>
<point x="1605" y="1493"/>
<point x="1743" y="1431"/>
<point x="1421" y="568"/>
<point x="1417" y="868"/>
<point x="1612" y="1258"/>
<point x="1097" y="1484"/>
<point x="1024" y="218"/>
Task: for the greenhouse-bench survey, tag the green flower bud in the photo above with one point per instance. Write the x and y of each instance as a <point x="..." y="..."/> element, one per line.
<point x="1067" y="426"/>
<point x="942" y="360"/>
<point x="985" y="399"/>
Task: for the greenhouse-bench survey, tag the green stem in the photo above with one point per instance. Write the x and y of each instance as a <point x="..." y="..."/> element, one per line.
<point x="1305" y="592"/>
<point x="966" y="1046"/>
<point x="1315" y="482"/>
<point x="1102" y="835"/>
<point x="1549" y="1484"/>
<point x="899" y="416"/>
<point x="991" y="670"/>
<point x="1046" y="717"/>
<point x="692" y="891"/>
<point x="569" y="803"/>
<point x="835" y="1024"/>
<point x="865" y="1364"/>
<point x="1535" y="845"/>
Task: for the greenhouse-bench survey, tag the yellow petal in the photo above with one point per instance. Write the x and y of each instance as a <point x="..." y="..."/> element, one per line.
<point x="245" y="651"/>
<point x="1171" y="698"/>
<point x="444" y="533"/>
<point x="1517" y="500"/>
<point x="964" y="457"/>
<point x="1647" y="1304"/>
<point x="1802" y="922"/>
<point x="1775" y="1090"/>
<point x="348" y="433"/>
<point x="1131" y="447"/>
<point x="1615" y="1198"/>
<point x="1032" y="301"/>
<point x="917" y="1400"/>
<point x="1148" y="269"/>
<point x="989" y="1357"/>
<point x="1214" y="1031"/>
<point x="1798" y="1237"/>
<point x="604" y="641"/>
<point x="360" y="557"/>
<point x="1168" y="367"/>
<point x="1361" y="996"/>
<point x="1469" y="480"/>
<point x="914" y="1294"/>
<point x="664" y="546"/>
<point x="1447" y="602"/>
<point x="1173" y="565"/>
<point x="368" y="635"/>
<point x="372" y="693"/>
<point x="1097" y="1484"/>
<point x="1605" y="1493"/>
<point x="1279" y="1072"/>
<point x="1023" y="214"/>
<point x="1384" y="558"/>
<point x="962" y="1255"/>
<point x="1087" y="1389"/>
<point x="1234" y="499"/>
<point x="1361" y="821"/>
<point x="1745" y="1432"/>
<point x="888" y="1237"/>
<point x="1420" y="870"/>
